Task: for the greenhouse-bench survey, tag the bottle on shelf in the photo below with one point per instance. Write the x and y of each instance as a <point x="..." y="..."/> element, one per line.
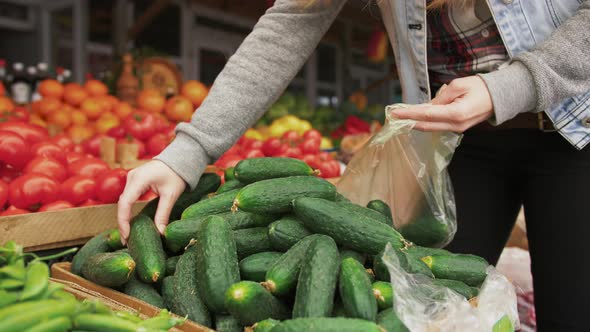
<point x="127" y="84"/>
<point x="67" y="76"/>
<point x="33" y="80"/>
<point x="20" y="87"/>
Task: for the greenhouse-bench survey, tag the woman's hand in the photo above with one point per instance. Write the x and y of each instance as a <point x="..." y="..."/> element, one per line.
<point x="158" y="177"/>
<point x="462" y="104"/>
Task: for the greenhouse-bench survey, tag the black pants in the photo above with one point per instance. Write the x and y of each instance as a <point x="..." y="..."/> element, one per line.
<point x="493" y="173"/>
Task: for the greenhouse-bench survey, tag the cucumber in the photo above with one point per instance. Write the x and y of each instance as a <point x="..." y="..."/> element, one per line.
<point x="254" y="267"/>
<point x="217" y="204"/>
<point x="389" y="320"/>
<point x="249" y="302"/>
<point x="383" y="292"/>
<point x="418" y="252"/>
<point x="250" y="241"/>
<point x="228" y="174"/>
<point x="417" y="266"/>
<point x="265" y="325"/>
<point x="187" y="300"/>
<point x="282" y="276"/>
<point x="317" y="280"/>
<point x="208" y="183"/>
<point x="242" y="219"/>
<point x="167" y="290"/>
<point x="226" y="323"/>
<point x="63" y="323"/>
<point x="346" y="253"/>
<point x="258" y="169"/>
<point x="356" y="291"/>
<point x="426" y="231"/>
<point x="145" y="292"/>
<point x="114" y="240"/>
<point x="276" y="195"/>
<point x="381" y="207"/>
<point x="229" y="185"/>
<point x="96" y="245"/>
<point x="216" y="261"/>
<point x="111" y="269"/>
<point x="464" y="290"/>
<point x="25" y="319"/>
<point x="341" y="198"/>
<point x="284" y="233"/>
<point x="145" y="246"/>
<point x="368" y="213"/>
<point x="171" y="265"/>
<point x="469" y="269"/>
<point x="178" y="234"/>
<point x="346" y="227"/>
<point x="324" y="324"/>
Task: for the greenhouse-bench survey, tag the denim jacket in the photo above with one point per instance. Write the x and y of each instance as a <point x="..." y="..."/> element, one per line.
<point x="522" y="25"/>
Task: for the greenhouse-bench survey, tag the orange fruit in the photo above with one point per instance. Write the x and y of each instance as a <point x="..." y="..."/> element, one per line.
<point x="80" y="133"/>
<point x="60" y="117"/>
<point x="48" y="105"/>
<point x="74" y="94"/>
<point x="151" y="100"/>
<point x="105" y="103"/>
<point x="51" y="88"/>
<point x="179" y="108"/>
<point x="6" y="104"/>
<point x="195" y="91"/>
<point x="79" y="118"/>
<point x="106" y="122"/>
<point x="96" y="88"/>
<point x="36" y="119"/>
<point x="123" y="109"/>
<point x="92" y="107"/>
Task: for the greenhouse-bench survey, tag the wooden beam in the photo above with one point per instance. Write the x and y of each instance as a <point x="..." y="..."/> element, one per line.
<point x="147" y="17"/>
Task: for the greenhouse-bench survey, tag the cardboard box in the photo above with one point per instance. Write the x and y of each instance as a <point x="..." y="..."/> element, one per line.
<point x="84" y="289"/>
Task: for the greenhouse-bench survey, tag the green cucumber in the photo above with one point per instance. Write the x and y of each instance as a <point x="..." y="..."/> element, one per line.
<point x="418" y="252"/>
<point x="381" y="270"/>
<point x="242" y="219"/>
<point x="389" y="320"/>
<point x="96" y="245"/>
<point x="426" y="230"/>
<point x="282" y="276"/>
<point x="167" y="290"/>
<point x="258" y="169"/>
<point x="142" y="291"/>
<point x="341" y="198"/>
<point x="227" y="323"/>
<point x="276" y="195"/>
<point x="229" y="185"/>
<point x="383" y="292"/>
<point x="459" y="287"/>
<point x="24" y="320"/>
<point x="104" y="323"/>
<point x="111" y="269"/>
<point x="187" y="300"/>
<point x="229" y="174"/>
<point x="145" y="246"/>
<point x="171" y="265"/>
<point x="250" y="241"/>
<point x="114" y="240"/>
<point x="284" y="233"/>
<point x="346" y="227"/>
<point x="368" y="213"/>
<point x="265" y="325"/>
<point x="178" y="234"/>
<point x="217" y="204"/>
<point x="254" y="267"/>
<point x="318" y="279"/>
<point x="249" y="302"/>
<point x="57" y="324"/>
<point x="346" y="253"/>
<point x="325" y="324"/>
<point x="469" y="269"/>
<point x="381" y="207"/>
<point x="208" y="183"/>
<point x="417" y="266"/>
<point x="216" y="261"/>
<point x="356" y="291"/>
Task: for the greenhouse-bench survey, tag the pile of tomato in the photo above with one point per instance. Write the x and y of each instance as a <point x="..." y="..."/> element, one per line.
<point x="305" y="147"/>
<point x="41" y="173"/>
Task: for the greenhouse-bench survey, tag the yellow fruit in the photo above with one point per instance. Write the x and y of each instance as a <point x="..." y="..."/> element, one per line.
<point x="277" y="130"/>
<point x="326" y="144"/>
<point x="304" y="126"/>
<point x="253" y="134"/>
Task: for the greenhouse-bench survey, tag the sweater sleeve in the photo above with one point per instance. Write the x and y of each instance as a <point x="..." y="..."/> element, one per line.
<point x="253" y="78"/>
<point x="556" y="69"/>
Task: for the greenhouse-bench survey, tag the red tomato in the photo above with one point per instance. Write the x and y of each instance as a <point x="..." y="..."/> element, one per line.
<point x="29" y="132"/>
<point x="291" y="136"/>
<point x="14" y="150"/>
<point x="310" y="146"/>
<point x="141" y="149"/>
<point x="73" y="156"/>
<point x="63" y="141"/>
<point x="79" y="148"/>
<point x="170" y="131"/>
<point x="90" y="202"/>
<point x="293" y="152"/>
<point x="330" y="169"/>
<point x="92" y="145"/>
<point x="21" y="113"/>
<point x="8" y="173"/>
<point x="255" y="153"/>
<point x="56" y="206"/>
<point x="273" y="147"/>
<point x="47" y="166"/>
<point x="325" y="156"/>
<point x="311" y="160"/>
<point x="148" y="196"/>
<point x="110" y="185"/>
<point x="78" y="189"/>
<point x="3" y="194"/>
<point x="13" y="211"/>
<point x="141" y="125"/>
<point x="228" y="160"/>
<point x="157" y="144"/>
<point x="312" y="133"/>
<point x="29" y="191"/>
<point x="117" y="132"/>
<point x="236" y="149"/>
<point x="252" y="144"/>
<point x="51" y="150"/>
<point x="92" y="167"/>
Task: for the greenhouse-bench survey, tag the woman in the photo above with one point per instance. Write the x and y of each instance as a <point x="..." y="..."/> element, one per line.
<point x="524" y="67"/>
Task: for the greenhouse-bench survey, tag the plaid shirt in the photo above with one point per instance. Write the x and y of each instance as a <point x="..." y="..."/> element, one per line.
<point x="462" y="42"/>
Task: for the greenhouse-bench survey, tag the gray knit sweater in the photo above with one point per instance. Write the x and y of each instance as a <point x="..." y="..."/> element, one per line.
<point x="286" y="35"/>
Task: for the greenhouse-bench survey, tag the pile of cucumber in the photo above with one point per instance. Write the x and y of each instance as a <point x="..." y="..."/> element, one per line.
<point x="29" y="301"/>
<point x="275" y="248"/>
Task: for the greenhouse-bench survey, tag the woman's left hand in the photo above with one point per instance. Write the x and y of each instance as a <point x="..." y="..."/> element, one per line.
<point x="462" y="104"/>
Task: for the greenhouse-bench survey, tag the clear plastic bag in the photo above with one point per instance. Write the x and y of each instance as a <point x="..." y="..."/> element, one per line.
<point x="425" y="307"/>
<point x="407" y="169"/>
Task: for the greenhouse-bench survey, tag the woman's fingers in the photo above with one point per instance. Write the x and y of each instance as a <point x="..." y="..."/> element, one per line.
<point x="133" y="190"/>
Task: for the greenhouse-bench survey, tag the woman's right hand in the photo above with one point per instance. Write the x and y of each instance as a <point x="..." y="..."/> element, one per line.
<point x="161" y="179"/>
